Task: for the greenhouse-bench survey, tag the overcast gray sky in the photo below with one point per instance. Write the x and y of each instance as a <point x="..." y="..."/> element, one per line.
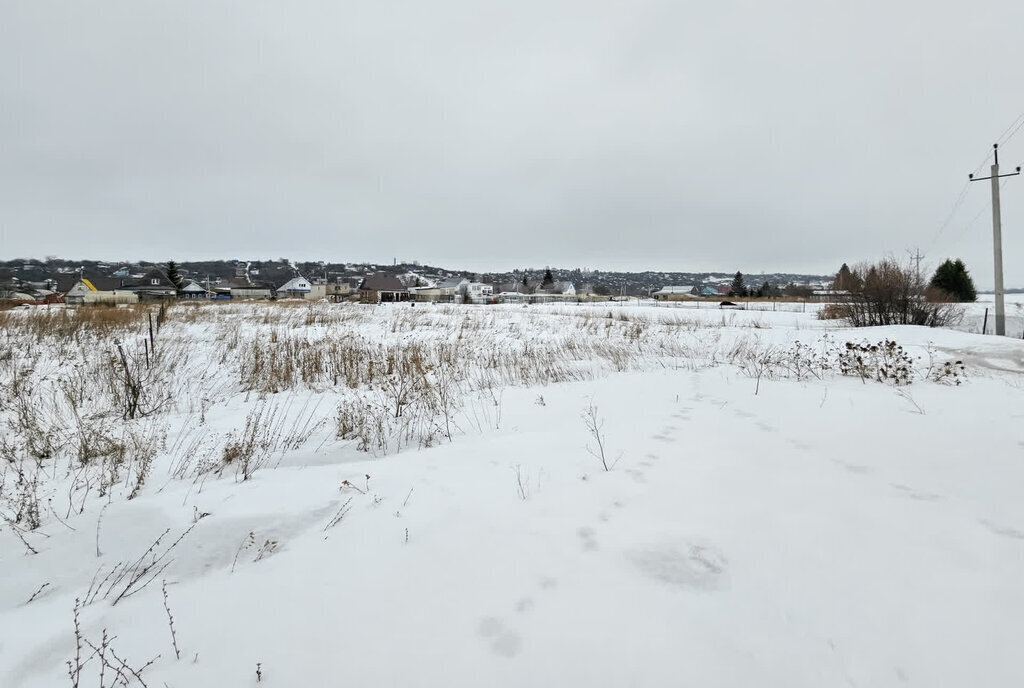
<point x="630" y="134"/>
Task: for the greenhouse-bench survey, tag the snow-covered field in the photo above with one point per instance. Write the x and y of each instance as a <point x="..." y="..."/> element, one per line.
<point x="398" y="496"/>
<point x="974" y="314"/>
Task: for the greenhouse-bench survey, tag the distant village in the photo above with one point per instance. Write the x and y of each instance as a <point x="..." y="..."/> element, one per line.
<point x="35" y="282"/>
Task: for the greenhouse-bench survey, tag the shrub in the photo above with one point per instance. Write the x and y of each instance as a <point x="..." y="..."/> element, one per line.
<point x="883" y="362"/>
<point x="832" y="311"/>
<point x="891" y="294"/>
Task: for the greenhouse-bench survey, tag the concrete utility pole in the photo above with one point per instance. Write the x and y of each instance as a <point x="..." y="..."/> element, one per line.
<point x="916" y="257"/>
<point x="997" y="236"/>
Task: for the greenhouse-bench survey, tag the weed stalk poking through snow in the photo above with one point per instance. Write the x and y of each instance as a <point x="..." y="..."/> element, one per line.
<point x="522" y="482"/>
<point x="595" y="427"/>
<point x="38" y="592"/>
<point x="170" y="621"/>
<point x="340" y="514"/>
<point x="247" y="542"/>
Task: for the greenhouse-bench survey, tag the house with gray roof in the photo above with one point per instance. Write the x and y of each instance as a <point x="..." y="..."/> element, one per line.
<point x="153" y="286"/>
<point x="382" y="288"/>
<point x="676" y="293"/>
<point x="92" y="290"/>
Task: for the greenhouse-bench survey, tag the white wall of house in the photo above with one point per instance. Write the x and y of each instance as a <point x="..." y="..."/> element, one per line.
<point x="83" y="294"/>
<point x="425" y="293"/>
<point x="93" y="298"/>
<point x="513" y="297"/>
<point x="478" y="292"/>
<point x="250" y="293"/>
<point x="111" y="297"/>
<point x="316" y="292"/>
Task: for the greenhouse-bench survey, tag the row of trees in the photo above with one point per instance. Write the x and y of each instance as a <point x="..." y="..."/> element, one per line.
<point x="739" y="288"/>
<point x="951" y="281"/>
<point x="888" y="293"/>
<point x="546" y="282"/>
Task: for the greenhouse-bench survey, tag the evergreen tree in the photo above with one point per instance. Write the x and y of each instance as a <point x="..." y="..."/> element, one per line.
<point x="953" y="279"/>
<point x="525" y="282"/>
<point x="739" y="288"/>
<point x="173" y="275"/>
<point x="845" y="280"/>
<point x="548" y="280"/>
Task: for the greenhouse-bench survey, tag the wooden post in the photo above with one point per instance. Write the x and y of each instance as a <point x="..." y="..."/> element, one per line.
<point x="984" y="324"/>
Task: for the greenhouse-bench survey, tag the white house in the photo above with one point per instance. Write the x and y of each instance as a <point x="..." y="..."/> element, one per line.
<point x="678" y="293"/>
<point x="477" y="292"/>
<point x="557" y="291"/>
<point x="452" y="287"/>
<point x="99" y="290"/>
<point x="194" y="290"/>
<point x="295" y="288"/>
<point x="513" y="297"/>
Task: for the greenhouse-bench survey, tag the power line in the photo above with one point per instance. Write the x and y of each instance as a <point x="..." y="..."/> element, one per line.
<point x="981" y="165"/>
<point x="961" y="197"/>
<point x="1015" y="130"/>
<point x="1015" y="125"/>
<point x="1008" y="133"/>
<point x="970" y="225"/>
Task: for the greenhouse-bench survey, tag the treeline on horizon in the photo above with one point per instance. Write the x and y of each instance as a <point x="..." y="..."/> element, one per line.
<point x="226" y="268"/>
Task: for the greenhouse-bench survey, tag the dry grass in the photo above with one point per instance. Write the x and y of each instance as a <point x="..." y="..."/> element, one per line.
<point x="65" y="323"/>
<point x="832" y="311"/>
<point x="88" y="402"/>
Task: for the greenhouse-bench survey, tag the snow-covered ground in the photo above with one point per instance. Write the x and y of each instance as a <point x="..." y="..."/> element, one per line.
<point x="410" y="496"/>
<point x="974" y="314"/>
